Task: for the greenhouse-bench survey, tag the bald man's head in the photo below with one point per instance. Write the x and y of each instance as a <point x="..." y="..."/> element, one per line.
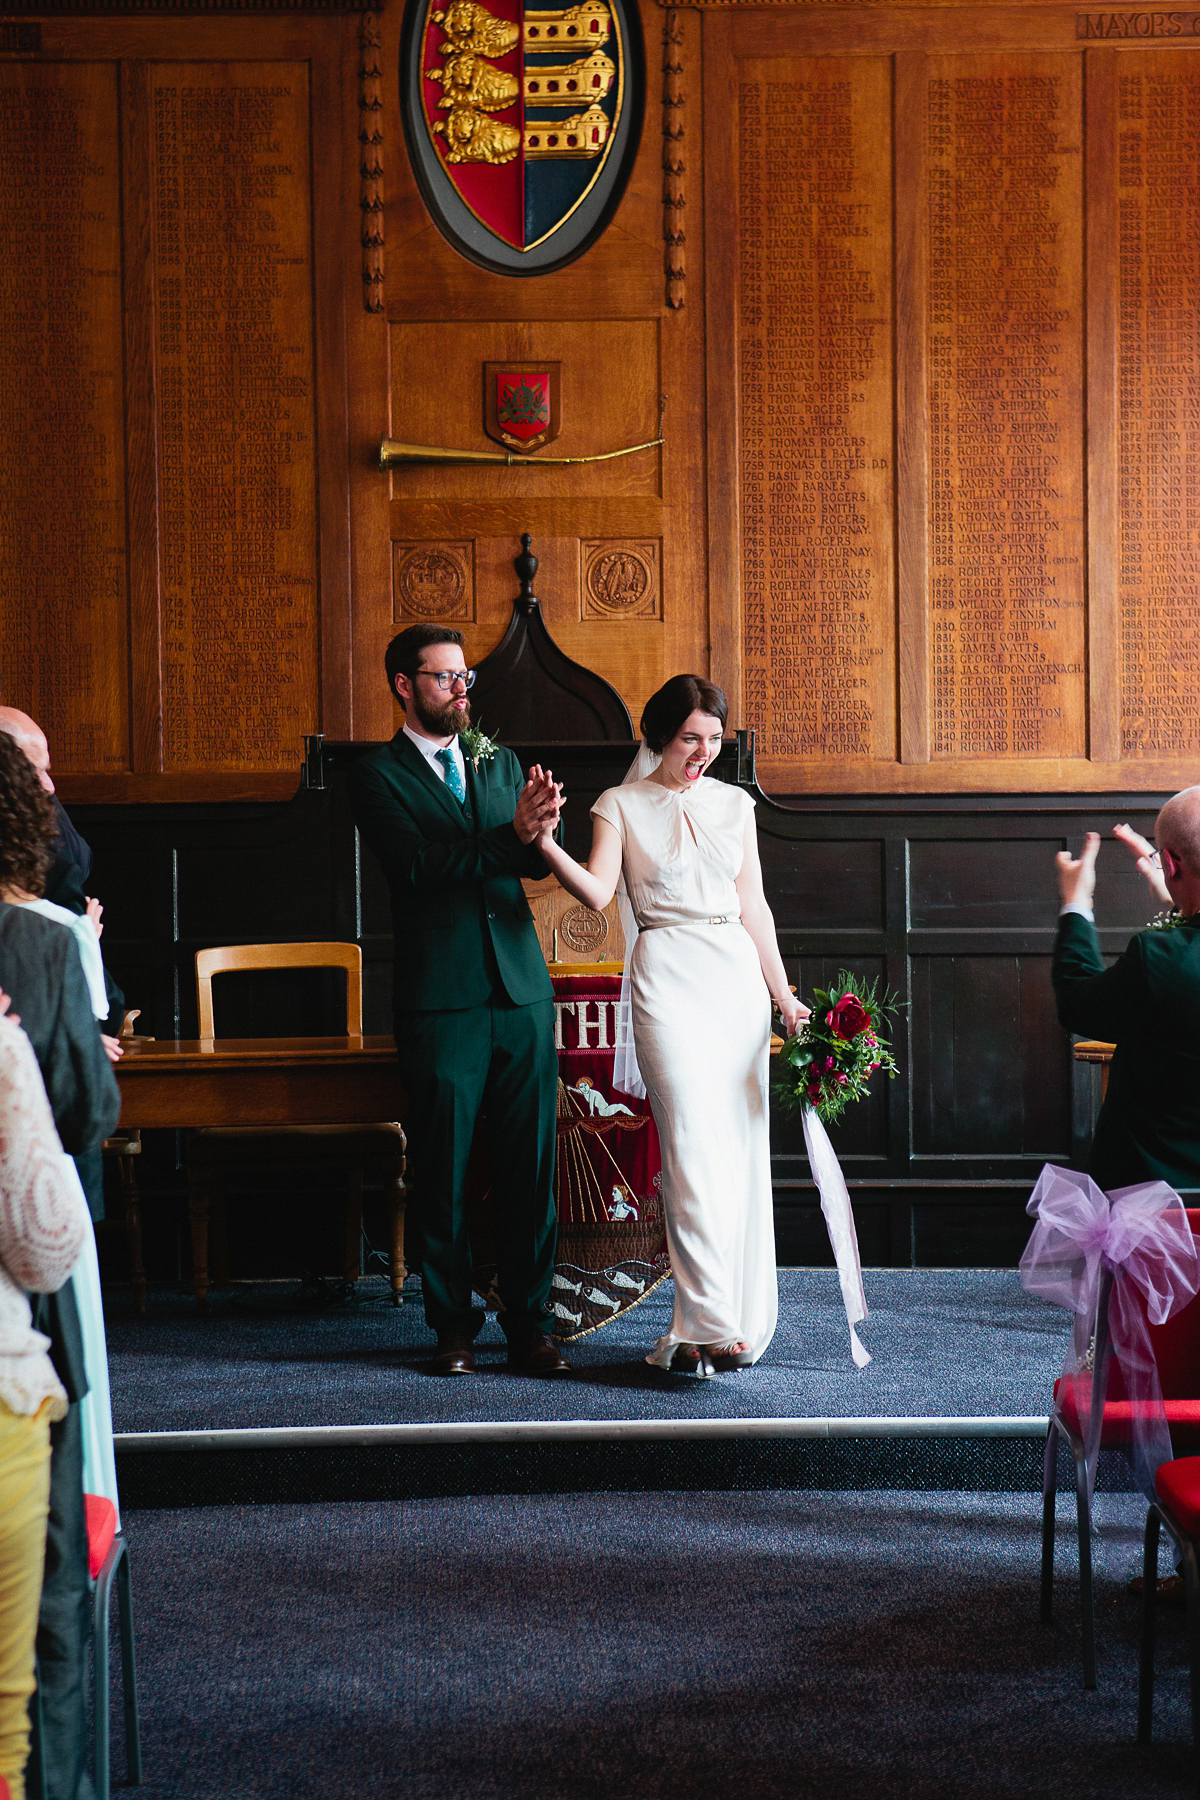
<point x="1177" y="828"/>
<point x="31" y="738"/>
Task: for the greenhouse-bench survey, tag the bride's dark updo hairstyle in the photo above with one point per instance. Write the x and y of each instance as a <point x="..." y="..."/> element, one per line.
<point x="676" y="701"/>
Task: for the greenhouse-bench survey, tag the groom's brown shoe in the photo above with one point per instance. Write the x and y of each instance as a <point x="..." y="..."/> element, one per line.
<point x="455" y="1355"/>
<point x="537" y="1355"/>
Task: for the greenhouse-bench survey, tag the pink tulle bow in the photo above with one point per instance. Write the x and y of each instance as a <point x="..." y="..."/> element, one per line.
<point x="1139" y="1240"/>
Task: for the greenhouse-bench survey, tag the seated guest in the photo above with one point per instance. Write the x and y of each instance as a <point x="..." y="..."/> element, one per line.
<point x="40" y="968"/>
<point x="1147" y="1003"/>
<point x="43" y="1222"/>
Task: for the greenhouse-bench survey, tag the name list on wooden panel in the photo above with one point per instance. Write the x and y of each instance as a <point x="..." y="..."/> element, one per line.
<point x="815" y="367"/>
<point x="233" y="279"/>
<point x="1159" y="403"/>
<point x="62" y="486"/>
<point x="1005" y="357"/>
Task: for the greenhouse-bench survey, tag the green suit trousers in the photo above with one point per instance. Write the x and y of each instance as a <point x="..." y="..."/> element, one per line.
<point x="498" y="1059"/>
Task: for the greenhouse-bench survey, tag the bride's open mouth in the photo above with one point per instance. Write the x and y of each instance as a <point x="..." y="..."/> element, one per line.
<point x="694" y="770"/>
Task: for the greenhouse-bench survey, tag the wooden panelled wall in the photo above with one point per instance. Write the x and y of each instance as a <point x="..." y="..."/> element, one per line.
<point x="923" y="344"/>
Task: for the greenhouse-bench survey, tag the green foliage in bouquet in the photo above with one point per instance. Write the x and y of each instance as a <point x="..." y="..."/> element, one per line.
<point x="831" y="1059"/>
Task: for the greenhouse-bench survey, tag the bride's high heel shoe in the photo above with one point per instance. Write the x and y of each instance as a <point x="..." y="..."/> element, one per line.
<point x="692" y="1359"/>
<point x="737" y="1355"/>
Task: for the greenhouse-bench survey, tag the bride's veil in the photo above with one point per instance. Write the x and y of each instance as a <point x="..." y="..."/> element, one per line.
<point x="626" y="1074"/>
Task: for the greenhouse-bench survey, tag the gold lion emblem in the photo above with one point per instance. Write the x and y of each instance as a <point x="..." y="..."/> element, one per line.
<point x="471" y="137"/>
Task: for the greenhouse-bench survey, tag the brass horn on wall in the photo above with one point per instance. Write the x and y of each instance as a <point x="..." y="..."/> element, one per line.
<point x="394" y="455"/>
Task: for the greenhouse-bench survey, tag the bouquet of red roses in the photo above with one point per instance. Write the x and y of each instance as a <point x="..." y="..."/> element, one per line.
<point x="836" y="1051"/>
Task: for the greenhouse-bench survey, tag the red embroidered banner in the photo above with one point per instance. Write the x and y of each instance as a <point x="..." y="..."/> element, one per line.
<point x="612" y="1246"/>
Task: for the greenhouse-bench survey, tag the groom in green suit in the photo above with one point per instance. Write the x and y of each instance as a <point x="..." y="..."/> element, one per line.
<point x="474" y="1006"/>
<point x="1147" y="1003"/>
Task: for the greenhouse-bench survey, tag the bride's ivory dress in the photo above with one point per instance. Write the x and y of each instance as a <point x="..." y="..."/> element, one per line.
<point x="702" y="1031"/>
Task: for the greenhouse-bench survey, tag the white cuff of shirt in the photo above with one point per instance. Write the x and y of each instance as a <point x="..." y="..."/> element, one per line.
<point x="1077" y="906"/>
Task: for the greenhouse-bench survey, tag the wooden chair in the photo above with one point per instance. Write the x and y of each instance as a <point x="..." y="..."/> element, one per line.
<point x="217" y="1152"/>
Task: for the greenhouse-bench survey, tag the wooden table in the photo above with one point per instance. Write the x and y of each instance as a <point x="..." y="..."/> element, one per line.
<point x="190" y="1083"/>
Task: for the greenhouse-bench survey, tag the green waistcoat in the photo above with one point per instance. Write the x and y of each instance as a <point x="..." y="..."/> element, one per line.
<point x="454" y="869"/>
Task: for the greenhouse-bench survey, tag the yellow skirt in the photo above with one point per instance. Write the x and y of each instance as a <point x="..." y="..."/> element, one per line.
<point x="24" y="1508"/>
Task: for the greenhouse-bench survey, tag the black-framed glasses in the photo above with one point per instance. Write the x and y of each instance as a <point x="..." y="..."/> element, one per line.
<point x="448" y="678"/>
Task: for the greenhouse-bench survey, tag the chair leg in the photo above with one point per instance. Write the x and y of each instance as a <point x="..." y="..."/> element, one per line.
<point x="100" y="1766"/>
<point x="1049" y="1490"/>
<point x="199" y="1204"/>
<point x="1149" y="1598"/>
<point x="133" y="1729"/>
<point x="398" y="1267"/>
<point x="352" y="1257"/>
<point x="1191" y="1588"/>
<point x="1087" y="1598"/>
<point x="133" y="1232"/>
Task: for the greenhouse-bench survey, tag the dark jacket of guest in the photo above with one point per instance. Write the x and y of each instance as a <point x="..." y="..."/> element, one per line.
<point x="1148" y="1004"/>
<point x="41" y="970"/>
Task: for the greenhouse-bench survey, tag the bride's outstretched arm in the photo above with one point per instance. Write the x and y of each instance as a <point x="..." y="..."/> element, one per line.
<point x="595" y="885"/>
<point x="757" y="919"/>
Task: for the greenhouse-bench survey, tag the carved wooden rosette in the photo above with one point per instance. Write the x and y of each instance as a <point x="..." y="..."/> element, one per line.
<point x="433" y="581"/>
<point x="370" y="136"/>
<point x="674" y="237"/>
<point x="619" y="578"/>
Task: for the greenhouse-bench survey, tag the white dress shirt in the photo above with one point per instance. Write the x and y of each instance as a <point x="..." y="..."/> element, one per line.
<point x="1077" y="906"/>
<point x="431" y="751"/>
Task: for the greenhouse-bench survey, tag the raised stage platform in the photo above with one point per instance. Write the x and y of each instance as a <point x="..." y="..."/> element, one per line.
<point x="265" y="1398"/>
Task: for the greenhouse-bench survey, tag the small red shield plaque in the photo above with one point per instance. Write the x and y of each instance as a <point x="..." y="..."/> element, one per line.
<point x="520" y="404"/>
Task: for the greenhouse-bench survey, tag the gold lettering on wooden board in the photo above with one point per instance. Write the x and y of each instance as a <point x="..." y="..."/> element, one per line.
<point x="237" y="468"/>
<point x="1004" y="343"/>
<point x="63" y="575"/>
<point x="1109" y="26"/>
<point x="815" y="368"/>
<point x="1158" y="355"/>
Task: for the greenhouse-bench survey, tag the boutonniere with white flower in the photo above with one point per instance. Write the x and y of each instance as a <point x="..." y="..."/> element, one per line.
<point x="1167" y="921"/>
<point x="477" y="745"/>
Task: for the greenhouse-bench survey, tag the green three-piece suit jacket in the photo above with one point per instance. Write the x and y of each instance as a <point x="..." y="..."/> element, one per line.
<point x="454" y="869"/>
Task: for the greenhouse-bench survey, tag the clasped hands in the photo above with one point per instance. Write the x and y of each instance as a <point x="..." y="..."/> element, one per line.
<point x="1077" y="874"/>
<point x="540" y="806"/>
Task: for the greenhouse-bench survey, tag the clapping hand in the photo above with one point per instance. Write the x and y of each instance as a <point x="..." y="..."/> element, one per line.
<point x="1077" y="874"/>
<point x="539" y="807"/>
<point x="95" y="912"/>
<point x="1148" y="864"/>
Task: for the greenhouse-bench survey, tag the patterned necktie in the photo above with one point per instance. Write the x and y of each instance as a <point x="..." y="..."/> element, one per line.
<point x="454" y="780"/>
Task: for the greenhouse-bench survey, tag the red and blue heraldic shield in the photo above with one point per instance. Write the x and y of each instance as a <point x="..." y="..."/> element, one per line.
<point x="522" y="104"/>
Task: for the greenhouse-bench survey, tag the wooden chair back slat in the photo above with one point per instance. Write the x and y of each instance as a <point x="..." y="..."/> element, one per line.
<point x="233" y="959"/>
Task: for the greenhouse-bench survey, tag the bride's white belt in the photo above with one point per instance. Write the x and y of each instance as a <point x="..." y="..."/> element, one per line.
<point x="717" y="919"/>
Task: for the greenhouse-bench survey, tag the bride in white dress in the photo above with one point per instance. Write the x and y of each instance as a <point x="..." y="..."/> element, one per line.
<point x="702" y="970"/>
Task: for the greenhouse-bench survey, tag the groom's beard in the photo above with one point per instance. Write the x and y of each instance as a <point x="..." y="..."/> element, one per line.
<point x="441" y="721"/>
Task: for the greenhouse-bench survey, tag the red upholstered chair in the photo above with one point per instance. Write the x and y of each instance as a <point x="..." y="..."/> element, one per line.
<point x="1177" y="1352"/>
<point x="108" y="1558"/>
<point x="1178" y="1508"/>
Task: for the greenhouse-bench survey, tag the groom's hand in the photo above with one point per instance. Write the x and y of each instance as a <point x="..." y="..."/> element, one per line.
<point x="1077" y="874"/>
<point x="539" y="806"/>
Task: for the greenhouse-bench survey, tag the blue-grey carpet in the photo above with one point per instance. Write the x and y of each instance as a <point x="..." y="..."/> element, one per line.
<point x="944" y="1342"/>
<point x="640" y="1647"/>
